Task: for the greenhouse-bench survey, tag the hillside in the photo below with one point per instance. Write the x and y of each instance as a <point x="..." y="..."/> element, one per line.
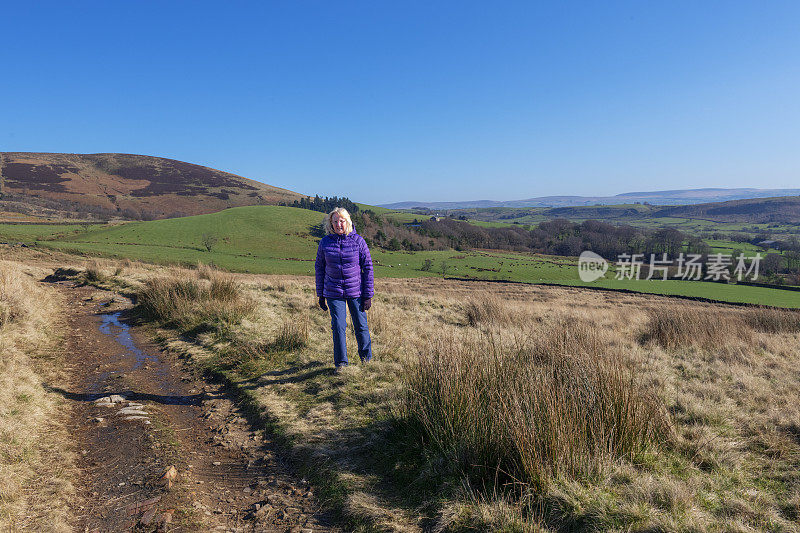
<point x="779" y="215"/>
<point x="252" y="238"/>
<point x="675" y="197"/>
<point x="124" y="186"/>
<point x="784" y="210"/>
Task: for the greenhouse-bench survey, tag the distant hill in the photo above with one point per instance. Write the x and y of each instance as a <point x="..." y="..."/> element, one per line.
<point x="785" y="210"/>
<point x="125" y="186"/>
<point x="675" y="197"/>
<point x="778" y="210"/>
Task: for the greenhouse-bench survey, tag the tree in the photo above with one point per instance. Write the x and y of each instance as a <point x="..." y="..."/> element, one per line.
<point x="793" y="261"/>
<point x="209" y="241"/>
<point x="668" y="241"/>
<point x="427" y="265"/>
<point x="772" y="264"/>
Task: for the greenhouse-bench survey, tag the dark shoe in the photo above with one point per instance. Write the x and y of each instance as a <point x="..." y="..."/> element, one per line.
<point x="365" y="361"/>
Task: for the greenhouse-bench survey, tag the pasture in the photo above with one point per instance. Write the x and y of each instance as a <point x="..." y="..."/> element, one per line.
<point x="283" y="240"/>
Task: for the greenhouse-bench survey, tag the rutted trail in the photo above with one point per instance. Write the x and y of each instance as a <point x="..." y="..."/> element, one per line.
<point x="159" y="448"/>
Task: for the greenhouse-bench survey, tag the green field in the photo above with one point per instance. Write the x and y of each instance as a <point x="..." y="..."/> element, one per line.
<point x="404" y="217"/>
<point x="249" y="239"/>
<point x="283" y="240"/>
<point x="31" y="232"/>
<point x="727" y="247"/>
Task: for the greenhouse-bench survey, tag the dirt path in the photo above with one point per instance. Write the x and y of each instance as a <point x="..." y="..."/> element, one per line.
<point x="139" y="414"/>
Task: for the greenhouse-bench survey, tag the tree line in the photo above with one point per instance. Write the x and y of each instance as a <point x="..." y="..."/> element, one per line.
<point x="562" y="237"/>
<point x="323" y="205"/>
<point x="555" y="237"/>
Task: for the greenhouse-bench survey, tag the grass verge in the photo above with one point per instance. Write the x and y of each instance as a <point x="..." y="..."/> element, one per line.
<point x="36" y="461"/>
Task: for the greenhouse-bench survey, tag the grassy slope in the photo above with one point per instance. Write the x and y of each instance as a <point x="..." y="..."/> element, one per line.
<point x="32" y="232"/>
<point x="254" y="239"/>
<point x="731" y="466"/>
<point x="373" y="208"/>
<point x="280" y="240"/>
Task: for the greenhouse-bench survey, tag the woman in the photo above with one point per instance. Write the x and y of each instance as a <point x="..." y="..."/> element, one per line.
<point x="344" y="278"/>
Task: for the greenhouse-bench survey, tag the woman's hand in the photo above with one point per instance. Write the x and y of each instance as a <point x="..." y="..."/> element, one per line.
<point x="322" y="303"/>
<point x="366" y="303"/>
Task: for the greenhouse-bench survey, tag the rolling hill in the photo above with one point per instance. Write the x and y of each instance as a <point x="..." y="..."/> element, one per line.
<point x="675" y="197"/>
<point x="252" y="238"/>
<point x="781" y="212"/>
<point x="784" y="210"/>
<point x="124" y="186"/>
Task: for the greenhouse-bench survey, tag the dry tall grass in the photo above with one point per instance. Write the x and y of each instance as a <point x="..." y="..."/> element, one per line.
<point x="94" y="272"/>
<point x="189" y="302"/>
<point x="15" y="303"/>
<point x="205" y="271"/>
<point x="486" y="310"/>
<point x="557" y="403"/>
<point x="682" y="326"/>
<point x="293" y="335"/>
<point x="771" y="320"/>
<point x="35" y="460"/>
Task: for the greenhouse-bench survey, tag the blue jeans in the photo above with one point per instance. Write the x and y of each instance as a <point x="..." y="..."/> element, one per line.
<point x="339" y="325"/>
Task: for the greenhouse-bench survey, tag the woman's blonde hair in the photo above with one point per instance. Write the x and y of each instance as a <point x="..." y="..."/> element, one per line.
<point x="342" y="212"/>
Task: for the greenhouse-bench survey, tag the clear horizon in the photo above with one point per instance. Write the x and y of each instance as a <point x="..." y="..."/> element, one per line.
<point x="582" y="195"/>
<point x="386" y="103"/>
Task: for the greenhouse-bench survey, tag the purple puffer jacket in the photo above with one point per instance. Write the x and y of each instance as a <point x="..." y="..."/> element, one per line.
<point x="344" y="267"/>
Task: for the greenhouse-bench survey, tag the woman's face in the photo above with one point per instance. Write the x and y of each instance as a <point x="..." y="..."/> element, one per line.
<point x="339" y="224"/>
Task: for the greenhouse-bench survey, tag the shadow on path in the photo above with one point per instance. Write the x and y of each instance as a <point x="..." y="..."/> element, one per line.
<point x="193" y="399"/>
<point x="275" y="377"/>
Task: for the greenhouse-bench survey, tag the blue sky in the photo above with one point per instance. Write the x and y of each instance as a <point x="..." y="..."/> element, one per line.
<point x="390" y="101"/>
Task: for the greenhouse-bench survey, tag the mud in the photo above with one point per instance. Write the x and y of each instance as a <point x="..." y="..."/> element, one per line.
<point x="160" y="449"/>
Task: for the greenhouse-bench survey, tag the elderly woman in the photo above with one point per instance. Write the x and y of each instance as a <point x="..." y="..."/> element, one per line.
<point x="344" y="279"/>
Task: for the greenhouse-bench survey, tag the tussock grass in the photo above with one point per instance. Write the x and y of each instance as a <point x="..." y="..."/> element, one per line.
<point x="674" y="327"/>
<point x="485" y="310"/>
<point x="94" y="273"/>
<point x="558" y="403"/>
<point x="188" y="303"/>
<point x="15" y="304"/>
<point x="205" y="271"/>
<point x="293" y="335"/>
<point x="772" y="320"/>
<point x="35" y="456"/>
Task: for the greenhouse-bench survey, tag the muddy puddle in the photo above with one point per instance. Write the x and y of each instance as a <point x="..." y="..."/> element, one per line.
<point x="128" y="357"/>
<point x="139" y="414"/>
